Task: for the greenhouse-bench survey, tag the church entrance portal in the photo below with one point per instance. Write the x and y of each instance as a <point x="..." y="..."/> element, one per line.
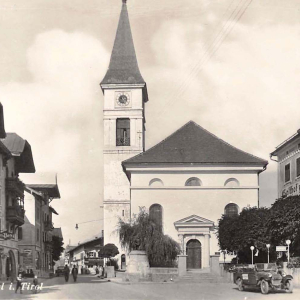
<point x="193" y="251"/>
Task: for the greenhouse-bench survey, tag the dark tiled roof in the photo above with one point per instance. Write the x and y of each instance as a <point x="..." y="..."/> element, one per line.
<point x="51" y="189"/>
<point x="123" y="67"/>
<point x="193" y="144"/>
<point x="2" y="129"/>
<point x="53" y="210"/>
<point x="20" y="149"/>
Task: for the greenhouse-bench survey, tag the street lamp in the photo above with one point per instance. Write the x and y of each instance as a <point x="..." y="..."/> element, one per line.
<point x="268" y="246"/>
<point x="252" y="248"/>
<point x="288" y="242"/>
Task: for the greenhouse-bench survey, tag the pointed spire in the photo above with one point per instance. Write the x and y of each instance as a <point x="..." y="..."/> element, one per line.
<point x="123" y="67"/>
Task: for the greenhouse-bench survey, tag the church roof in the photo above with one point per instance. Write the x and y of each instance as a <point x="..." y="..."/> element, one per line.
<point x="193" y="144"/>
<point x="123" y="67"/>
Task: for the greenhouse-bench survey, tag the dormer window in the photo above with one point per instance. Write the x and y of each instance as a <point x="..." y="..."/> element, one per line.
<point x="123" y="132"/>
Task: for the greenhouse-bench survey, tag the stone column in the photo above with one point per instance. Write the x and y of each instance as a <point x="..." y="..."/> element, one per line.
<point x="181" y="239"/>
<point x="206" y="252"/>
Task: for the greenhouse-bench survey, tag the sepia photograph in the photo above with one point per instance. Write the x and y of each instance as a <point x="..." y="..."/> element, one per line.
<point x="150" y="149"/>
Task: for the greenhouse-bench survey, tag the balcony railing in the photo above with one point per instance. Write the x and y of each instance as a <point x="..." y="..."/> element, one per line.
<point x="123" y="141"/>
<point x="48" y="226"/>
<point x="15" y="214"/>
<point x="15" y="185"/>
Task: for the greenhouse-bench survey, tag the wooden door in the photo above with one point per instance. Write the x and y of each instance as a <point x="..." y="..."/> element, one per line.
<point x="193" y="251"/>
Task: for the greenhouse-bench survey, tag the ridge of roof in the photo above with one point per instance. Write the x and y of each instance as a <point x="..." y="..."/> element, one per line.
<point x="244" y="159"/>
<point x="123" y="66"/>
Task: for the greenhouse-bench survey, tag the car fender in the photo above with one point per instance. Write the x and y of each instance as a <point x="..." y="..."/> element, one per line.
<point x="286" y="278"/>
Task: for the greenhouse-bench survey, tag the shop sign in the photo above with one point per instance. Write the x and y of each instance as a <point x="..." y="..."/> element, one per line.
<point x="292" y="190"/>
<point x="27" y="257"/>
<point x="7" y="235"/>
<point x="281" y="248"/>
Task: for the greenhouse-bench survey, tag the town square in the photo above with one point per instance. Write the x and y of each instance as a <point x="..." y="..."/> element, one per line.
<point x="149" y="150"/>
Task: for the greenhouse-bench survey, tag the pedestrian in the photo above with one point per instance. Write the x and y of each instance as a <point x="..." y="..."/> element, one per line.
<point x="67" y="272"/>
<point x="19" y="283"/>
<point x="82" y="271"/>
<point x="35" y="283"/>
<point x="97" y="270"/>
<point x="75" y="273"/>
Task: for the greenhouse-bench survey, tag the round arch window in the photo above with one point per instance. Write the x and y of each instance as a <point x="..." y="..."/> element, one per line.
<point x="232" y="182"/>
<point x="231" y="210"/>
<point x="194" y="181"/>
<point x="155" y="213"/>
<point x="156" y="182"/>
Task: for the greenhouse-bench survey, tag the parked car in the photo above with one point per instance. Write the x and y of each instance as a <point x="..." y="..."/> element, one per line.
<point x="60" y="271"/>
<point x="264" y="276"/>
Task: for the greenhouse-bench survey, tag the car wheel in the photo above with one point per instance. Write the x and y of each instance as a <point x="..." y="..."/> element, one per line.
<point x="264" y="287"/>
<point x="289" y="286"/>
<point x="240" y="284"/>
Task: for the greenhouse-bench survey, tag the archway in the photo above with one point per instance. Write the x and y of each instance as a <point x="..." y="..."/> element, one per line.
<point x="11" y="266"/>
<point x="193" y="252"/>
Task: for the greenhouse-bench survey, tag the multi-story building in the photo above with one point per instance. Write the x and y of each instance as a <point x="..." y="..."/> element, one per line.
<point x="86" y="254"/>
<point x="35" y="242"/>
<point x="18" y="160"/>
<point x="288" y="168"/>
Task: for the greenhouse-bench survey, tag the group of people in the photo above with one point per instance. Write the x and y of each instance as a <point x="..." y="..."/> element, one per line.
<point x="19" y="281"/>
<point x="74" y="273"/>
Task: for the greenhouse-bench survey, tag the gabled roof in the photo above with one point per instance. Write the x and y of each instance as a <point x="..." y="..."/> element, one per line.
<point x="20" y="149"/>
<point x="123" y="67"/>
<point x="51" y="189"/>
<point x="192" y="144"/>
<point x="2" y="129"/>
<point x="193" y="219"/>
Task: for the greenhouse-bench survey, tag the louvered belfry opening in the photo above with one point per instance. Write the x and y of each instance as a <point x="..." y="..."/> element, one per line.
<point x="123" y="132"/>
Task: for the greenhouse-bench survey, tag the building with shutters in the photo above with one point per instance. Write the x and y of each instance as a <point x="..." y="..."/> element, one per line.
<point x="287" y="155"/>
<point x="186" y="182"/>
<point x="35" y="240"/>
<point x="15" y="158"/>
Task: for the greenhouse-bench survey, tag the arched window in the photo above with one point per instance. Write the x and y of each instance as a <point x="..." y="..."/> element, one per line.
<point x="231" y="210"/>
<point x="155" y="213"/>
<point x="194" y="181"/>
<point x="156" y="182"/>
<point x="232" y="182"/>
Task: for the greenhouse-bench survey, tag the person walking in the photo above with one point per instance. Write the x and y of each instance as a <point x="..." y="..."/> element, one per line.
<point x="75" y="273"/>
<point x="67" y="272"/>
<point x="19" y="283"/>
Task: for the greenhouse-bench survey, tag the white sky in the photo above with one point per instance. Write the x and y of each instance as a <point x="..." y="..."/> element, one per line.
<point x="237" y="75"/>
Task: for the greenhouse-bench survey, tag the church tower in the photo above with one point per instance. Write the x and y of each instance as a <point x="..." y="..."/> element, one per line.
<point x="125" y="94"/>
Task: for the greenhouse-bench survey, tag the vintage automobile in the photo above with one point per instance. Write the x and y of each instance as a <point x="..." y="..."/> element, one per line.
<point x="264" y="276"/>
<point x="60" y="271"/>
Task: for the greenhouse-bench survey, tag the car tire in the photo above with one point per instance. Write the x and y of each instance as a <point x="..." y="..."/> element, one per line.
<point x="239" y="283"/>
<point x="264" y="287"/>
<point x="289" y="286"/>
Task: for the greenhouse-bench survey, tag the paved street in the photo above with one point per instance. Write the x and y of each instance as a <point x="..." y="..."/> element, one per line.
<point x="89" y="287"/>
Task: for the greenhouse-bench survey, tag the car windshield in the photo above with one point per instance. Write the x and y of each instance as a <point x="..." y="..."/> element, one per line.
<point x="266" y="267"/>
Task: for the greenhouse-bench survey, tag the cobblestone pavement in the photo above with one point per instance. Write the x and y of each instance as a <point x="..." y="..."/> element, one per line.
<point x="89" y="287"/>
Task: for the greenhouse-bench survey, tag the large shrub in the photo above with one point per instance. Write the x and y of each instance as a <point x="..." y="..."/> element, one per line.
<point x="142" y="233"/>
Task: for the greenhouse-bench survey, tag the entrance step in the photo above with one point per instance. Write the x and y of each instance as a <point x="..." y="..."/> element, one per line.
<point x="201" y="277"/>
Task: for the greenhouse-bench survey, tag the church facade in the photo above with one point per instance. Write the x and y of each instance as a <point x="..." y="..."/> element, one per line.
<point x="186" y="182"/>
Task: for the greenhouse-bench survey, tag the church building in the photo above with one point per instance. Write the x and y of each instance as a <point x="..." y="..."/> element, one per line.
<point x="187" y="181"/>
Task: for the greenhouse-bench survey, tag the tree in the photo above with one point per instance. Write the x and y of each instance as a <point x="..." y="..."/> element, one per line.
<point x="142" y="233"/>
<point x="57" y="248"/>
<point x="284" y="223"/>
<point x="239" y="233"/>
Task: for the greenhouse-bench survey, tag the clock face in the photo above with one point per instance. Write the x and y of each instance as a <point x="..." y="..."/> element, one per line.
<point x="122" y="99"/>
